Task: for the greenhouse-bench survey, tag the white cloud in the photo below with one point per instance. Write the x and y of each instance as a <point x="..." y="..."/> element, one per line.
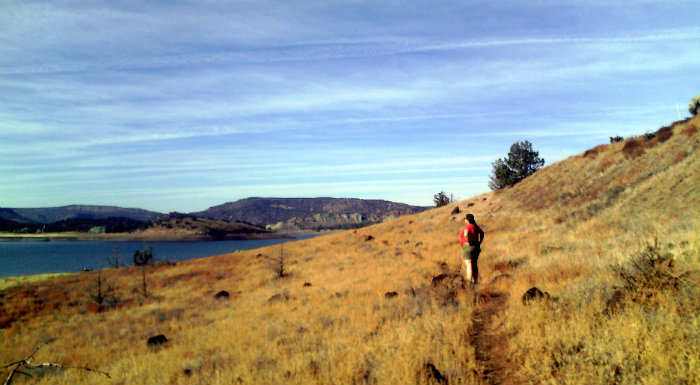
<point x="245" y="93"/>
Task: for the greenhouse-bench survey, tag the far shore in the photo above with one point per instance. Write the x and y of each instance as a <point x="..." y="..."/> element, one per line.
<point x="134" y="237"/>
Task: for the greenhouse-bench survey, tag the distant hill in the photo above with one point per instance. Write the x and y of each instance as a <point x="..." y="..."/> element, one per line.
<point x="10" y="215"/>
<point x="309" y="213"/>
<point x="55" y="214"/>
<point x="189" y="227"/>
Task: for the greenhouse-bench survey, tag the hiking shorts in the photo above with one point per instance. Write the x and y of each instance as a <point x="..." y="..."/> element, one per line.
<point x="470" y="252"/>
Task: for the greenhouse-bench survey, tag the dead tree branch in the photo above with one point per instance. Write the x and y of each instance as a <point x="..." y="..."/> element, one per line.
<point x="279" y="264"/>
<point x="25" y="367"/>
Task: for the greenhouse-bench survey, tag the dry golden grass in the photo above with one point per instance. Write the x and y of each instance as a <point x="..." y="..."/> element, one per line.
<point x="329" y="320"/>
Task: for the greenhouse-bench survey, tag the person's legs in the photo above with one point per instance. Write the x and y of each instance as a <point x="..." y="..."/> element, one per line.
<point x="474" y="268"/>
<point x="466" y="254"/>
<point x="468" y="270"/>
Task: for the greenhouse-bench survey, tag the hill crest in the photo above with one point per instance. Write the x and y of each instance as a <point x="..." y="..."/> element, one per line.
<point x="55" y="214"/>
<point x="309" y="213"/>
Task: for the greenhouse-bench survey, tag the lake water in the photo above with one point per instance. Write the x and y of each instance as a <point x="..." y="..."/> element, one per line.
<point x="18" y="258"/>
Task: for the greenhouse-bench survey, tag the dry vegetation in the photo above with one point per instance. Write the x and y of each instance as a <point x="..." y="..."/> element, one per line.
<point x="611" y="235"/>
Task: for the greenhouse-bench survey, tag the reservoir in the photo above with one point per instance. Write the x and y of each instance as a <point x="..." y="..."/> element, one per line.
<point x="27" y="258"/>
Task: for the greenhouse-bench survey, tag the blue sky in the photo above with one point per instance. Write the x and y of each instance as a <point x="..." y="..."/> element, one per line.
<point x="179" y="106"/>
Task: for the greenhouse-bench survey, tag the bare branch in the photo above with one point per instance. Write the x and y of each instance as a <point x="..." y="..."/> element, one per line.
<point x="26" y="368"/>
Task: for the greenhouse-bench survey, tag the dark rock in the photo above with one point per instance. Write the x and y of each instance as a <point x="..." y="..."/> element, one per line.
<point x="470" y="204"/>
<point x="156" y="342"/>
<point x="419" y="244"/>
<point x="391" y="294"/>
<point x="369" y="238"/>
<point x="429" y="374"/>
<point x="223" y="294"/>
<point x="500" y="277"/>
<point x="455" y="210"/>
<point x="307" y="284"/>
<point x="616" y="301"/>
<point x="276" y="298"/>
<point x="535" y="294"/>
<point x="445" y="289"/>
<point x="438" y="278"/>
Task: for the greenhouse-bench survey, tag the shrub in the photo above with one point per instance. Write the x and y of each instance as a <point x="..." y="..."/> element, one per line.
<point x="616" y="139"/>
<point x="634" y="147"/>
<point x="690" y="130"/>
<point x="279" y="265"/>
<point x="650" y="273"/>
<point x="694" y="106"/>
<point x="143" y="257"/>
<point x="593" y="152"/>
<point x="664" y="133"/>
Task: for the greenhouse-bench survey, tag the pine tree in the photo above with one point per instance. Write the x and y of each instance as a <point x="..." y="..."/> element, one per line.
<point x="522" y="161"/>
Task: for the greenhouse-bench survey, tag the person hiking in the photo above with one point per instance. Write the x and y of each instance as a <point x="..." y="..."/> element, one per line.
<point x="470" y="239"/>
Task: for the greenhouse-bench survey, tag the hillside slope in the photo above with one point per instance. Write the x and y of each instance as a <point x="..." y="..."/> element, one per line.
<point x="182" y="227"/>
<point x="308" y="213"/>
<point x="385" y="304"/>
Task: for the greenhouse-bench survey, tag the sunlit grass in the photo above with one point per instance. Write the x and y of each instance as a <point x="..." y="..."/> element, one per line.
<point x="6" y="282"/>
<point x="330" y="320"/>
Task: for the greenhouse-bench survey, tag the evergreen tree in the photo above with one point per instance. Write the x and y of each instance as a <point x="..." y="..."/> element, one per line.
<point x="441" y="199"/>
<point x="522" y="161"/>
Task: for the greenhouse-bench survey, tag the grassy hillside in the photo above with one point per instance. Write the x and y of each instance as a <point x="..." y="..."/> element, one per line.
<point x="385" y="304"/>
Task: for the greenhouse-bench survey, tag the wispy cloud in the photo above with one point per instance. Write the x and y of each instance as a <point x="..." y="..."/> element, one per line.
<point x="336" y="97"/>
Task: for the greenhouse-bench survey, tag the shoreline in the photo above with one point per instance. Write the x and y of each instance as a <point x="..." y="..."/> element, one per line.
<point x="16" y="280"/>
<point x="135" y="237"/>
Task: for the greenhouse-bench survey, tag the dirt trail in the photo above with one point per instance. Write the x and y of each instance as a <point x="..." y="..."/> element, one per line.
<point x="489" y="340"/>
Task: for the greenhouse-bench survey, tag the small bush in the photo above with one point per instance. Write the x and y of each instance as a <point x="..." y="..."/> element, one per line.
<point x="694" y="106"/>
<point x="616" y="139"/>
<point x="650" y="273"/>
<point x="690" y="130"/>
<point x="593" y="152"/>
<point x="664" y="133"/>
<point x="634" y="147"/>
<point x="279" y="265"/>
<point x="142" y="258"/>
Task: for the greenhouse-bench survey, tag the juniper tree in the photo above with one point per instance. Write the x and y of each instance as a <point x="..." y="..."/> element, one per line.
<point x="522" y="161"/>
<point x="143" y="258"/>
<point x="442" y="199"/>
<point x="694" y="106"/>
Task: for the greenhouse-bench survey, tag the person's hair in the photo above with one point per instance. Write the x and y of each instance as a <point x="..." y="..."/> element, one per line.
<point x="470" y="218"/>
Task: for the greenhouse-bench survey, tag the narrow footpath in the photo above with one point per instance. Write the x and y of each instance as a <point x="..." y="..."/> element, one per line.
<point x="489" y="340"/>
